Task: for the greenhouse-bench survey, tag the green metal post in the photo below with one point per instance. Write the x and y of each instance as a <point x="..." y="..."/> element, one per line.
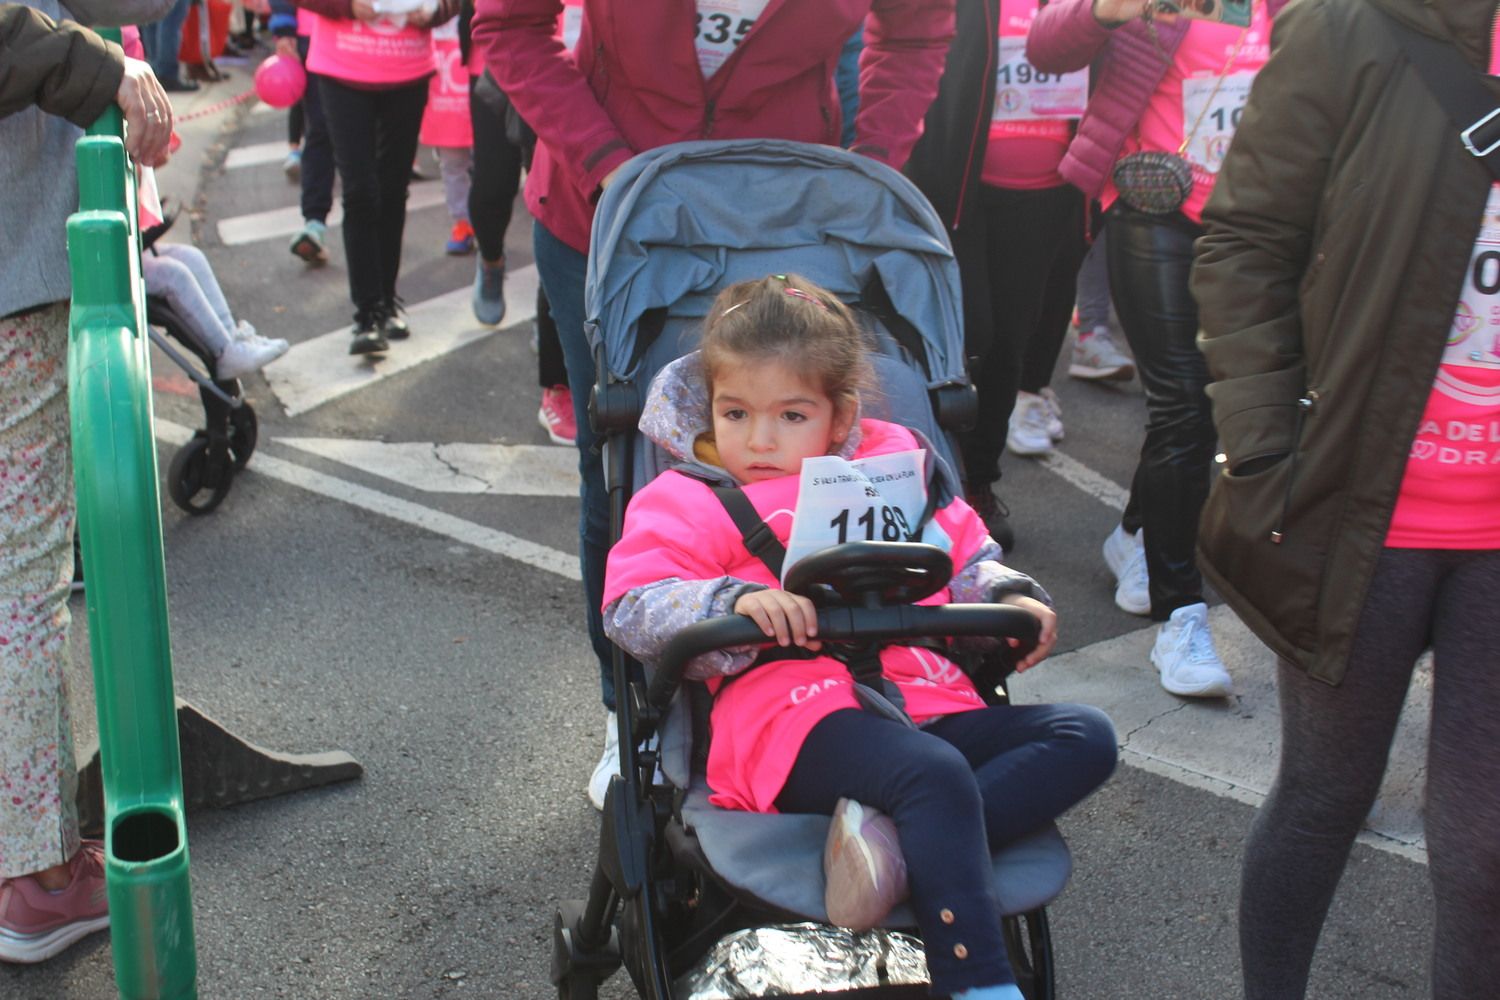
<point x="119" y="512"/>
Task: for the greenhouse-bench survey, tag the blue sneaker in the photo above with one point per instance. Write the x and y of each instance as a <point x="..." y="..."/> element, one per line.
<point x="309" y="243"/>
<point x="489" y="292"/>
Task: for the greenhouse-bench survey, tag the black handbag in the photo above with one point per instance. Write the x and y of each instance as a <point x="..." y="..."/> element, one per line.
<point x="1459" y="88"/>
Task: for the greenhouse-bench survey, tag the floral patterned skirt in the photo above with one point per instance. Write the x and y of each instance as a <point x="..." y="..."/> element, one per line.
<point x="38" y="817"/>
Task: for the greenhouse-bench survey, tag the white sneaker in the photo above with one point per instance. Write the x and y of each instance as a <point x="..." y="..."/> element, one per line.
<point x="241" y="357"/>
<point x="1126" y="556"/>
<point x="1184" y="654"/>
<point x="1054" y="414"/>
<point x="1097" y="356"/>
<point x="1027" y="434"/>
<point x="243" y="331"/>
<point x="608" y="766"/>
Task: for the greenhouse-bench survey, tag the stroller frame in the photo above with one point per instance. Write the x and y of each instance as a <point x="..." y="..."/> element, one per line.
<point x="654" y="904"/>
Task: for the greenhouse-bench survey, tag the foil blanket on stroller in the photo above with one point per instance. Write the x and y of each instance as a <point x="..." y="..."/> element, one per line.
<point x="803" y="958"/>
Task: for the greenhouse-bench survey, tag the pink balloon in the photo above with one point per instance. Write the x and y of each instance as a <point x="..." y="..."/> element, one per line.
<point x="280" y="81"/>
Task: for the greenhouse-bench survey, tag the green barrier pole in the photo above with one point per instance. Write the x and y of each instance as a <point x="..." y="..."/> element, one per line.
<point x="119" y="512"/>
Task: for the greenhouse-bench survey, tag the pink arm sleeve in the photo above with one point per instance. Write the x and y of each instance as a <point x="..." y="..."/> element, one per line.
<point x="1065" y="36"/>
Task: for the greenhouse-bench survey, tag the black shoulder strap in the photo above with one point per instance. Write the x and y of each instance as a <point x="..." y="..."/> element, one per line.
<point x="1459" y="88"/>
<point x="760" y="540"/>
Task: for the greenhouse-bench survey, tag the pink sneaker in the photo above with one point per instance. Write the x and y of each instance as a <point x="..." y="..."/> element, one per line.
<point x="556" y="415"/>
<point x="36" y="924"/>
<point x="863" y="865"/>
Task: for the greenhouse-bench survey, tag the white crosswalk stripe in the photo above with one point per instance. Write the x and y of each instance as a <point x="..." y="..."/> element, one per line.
<point x="251" y="156"/>
<point x="321" y="369"/>
<point x="283" y="222"/>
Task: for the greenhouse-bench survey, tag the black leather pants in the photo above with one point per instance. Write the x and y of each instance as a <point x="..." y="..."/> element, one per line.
<point x="1150" y="257"/>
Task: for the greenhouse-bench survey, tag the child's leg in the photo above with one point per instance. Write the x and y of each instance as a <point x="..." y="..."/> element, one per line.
<point x="1032" y="762"/>
<point x="193" y="259"/>
<point x="927" y="788"/>
<point x="172" y="280"/>
<point x="455" y="163"/>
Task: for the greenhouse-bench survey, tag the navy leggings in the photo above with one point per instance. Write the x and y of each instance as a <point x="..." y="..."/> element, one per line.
<point x="958" y="789"/>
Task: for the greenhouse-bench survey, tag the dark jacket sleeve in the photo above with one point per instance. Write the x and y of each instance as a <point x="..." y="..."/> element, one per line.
<point x="62" y="68"/>
<point x="1260" y="226"/>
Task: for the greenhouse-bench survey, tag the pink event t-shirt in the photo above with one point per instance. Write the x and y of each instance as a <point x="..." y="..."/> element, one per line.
<point x="1450" y="494"/>
<point x="1192" y="85"/>
<point x="446" y="122"/>
<point x="1031" y="122"/>
<point x="378" y="53"/>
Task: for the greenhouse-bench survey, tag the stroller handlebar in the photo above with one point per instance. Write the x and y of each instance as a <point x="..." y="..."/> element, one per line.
<point x="907" y="621"/>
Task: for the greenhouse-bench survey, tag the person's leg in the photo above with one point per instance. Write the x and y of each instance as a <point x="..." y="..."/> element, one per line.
<point x="455" y="162"/>
<point x="173" y="280"/>
<point x="399" y="123"/>
<point x="1032" y="762"/>
<point x="317" y="152"/>
<point x="195" y="261"/>
<point x="162" y="39"/>
<point x="294" y="125"/>
<point x="927" y="788"/>
<point x="562" y="271"/>
<point x="1149" y="261"/>
<point x="1334" y="746"/>
<point x="980" y="447"/>
<point x="1463" y="779"/>
<point x="38" y="817"/>
<point x="1065" y="210"/>
<point x="497" y="178"/>
<point x="350" y="114"/>
<point x="551" y="369"/>
<point x="1093" y="286"/>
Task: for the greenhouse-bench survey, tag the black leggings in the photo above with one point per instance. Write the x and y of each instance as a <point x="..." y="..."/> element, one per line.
<point x="374" y="136"/>
<point x="1150" y="257"/>
<point x="1334" y="746"/>
<point x="1018" y="259"/>
<point x="497" y="178"/>
<point x="961" y="787"/>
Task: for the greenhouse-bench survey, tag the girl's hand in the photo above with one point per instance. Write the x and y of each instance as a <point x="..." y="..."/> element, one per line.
<point x="286" y="47"/>
<point x="790" y="619"/>
<point x="364" y="10"/>
<point x="1048" y="635"/>
<point x="420" y="18"/>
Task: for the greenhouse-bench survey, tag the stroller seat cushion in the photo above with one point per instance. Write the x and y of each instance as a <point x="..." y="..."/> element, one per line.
<point x="777" y="858"/>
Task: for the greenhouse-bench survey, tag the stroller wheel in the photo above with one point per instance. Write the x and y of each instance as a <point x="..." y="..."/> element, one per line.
<point x="195" y="471"/>
<point x="1028" y="940"/>
<point x="244" y="429"/>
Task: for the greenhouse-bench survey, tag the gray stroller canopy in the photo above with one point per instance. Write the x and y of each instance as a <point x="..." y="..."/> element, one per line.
<point x="683" y="221"/>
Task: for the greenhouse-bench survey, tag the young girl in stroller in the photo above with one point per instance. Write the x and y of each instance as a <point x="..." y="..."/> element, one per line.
<point x="777" y="382"/>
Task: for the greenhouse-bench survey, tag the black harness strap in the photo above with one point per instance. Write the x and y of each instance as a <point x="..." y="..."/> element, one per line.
<point x="760" y="540"/>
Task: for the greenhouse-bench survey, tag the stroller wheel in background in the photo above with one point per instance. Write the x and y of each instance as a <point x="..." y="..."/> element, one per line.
<point x="1028" y="940"/>
<point x="576" y="971"/>
<point x="200" y="475"/>
<point x="244" y="429"/>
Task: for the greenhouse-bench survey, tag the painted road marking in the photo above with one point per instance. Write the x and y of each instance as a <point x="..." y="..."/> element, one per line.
<point x="322" y="369"/>
<point x="504" y="470"/>
<point x="282" y="222"/>
<point x="1101" y="488"/>
<point x="254" y="155"/>
<point x="563" y="564"/>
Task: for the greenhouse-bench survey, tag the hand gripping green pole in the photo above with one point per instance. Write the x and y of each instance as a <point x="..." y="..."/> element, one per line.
<point x="119" y="513"/>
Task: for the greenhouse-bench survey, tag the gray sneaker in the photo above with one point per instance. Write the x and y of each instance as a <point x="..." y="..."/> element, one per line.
<point x="1097" y="356"/>
<point x="489" y="292"/>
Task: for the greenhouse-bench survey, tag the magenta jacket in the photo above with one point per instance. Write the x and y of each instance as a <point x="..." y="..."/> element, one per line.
<point x="633" y="83"/>
<point x="1127" y="69"/>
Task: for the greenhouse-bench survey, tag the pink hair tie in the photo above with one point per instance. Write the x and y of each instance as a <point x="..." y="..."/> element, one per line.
<point x="799" y="293"/>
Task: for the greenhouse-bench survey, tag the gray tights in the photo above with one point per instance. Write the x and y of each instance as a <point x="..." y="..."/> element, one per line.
<point x="1334" y="746"/>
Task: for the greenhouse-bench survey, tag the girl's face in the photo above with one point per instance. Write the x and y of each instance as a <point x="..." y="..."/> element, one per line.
<point x="767" y="419"/>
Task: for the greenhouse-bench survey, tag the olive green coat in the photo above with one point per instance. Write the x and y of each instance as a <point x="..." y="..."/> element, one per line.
<point x="1338" y="237"/>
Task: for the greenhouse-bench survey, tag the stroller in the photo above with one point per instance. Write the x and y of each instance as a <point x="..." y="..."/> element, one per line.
<point x="694" y="901"/>
<point x="203" y="469"/>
